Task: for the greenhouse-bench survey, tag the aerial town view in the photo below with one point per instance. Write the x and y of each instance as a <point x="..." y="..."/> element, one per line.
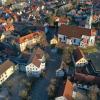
<point x="49" y="49"/>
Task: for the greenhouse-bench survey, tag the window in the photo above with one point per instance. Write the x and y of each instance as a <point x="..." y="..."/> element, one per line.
<point x="64" y="38"/>
<point x="74" y="40"/>
<point x="60" y="39"/>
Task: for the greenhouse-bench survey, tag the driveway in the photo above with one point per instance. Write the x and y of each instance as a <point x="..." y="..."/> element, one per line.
<point x="39" y="89"/>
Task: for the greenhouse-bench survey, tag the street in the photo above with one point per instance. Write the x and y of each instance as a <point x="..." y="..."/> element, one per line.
<point x="39" y="89"/>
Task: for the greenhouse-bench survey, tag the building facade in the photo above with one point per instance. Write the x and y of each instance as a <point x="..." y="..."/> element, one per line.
<point x="73" y="35"/>
<point x="79" y="58"/>
<point x="36" y="64"/>
<point x="6" y="70"/>
<point x="28" y="40"/>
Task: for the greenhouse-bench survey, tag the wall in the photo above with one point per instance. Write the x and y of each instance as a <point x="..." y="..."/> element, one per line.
<point x="6" y="74"/>
<point x="81" y="62"/>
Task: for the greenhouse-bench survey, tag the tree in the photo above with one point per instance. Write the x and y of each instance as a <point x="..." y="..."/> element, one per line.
<point x="46" y="55"/>
<point x="66" y="56"/>
<point x="8" y="2"/>
<point x="23" y="94"/>
<point x="94" y="90"/>
<point x="53" y="81"/>
<point x="51" y="90"/>
<point x="80" y="96"/>
<point x="43" y="41"/>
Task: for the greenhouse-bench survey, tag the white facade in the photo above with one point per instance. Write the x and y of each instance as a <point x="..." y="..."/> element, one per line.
<point x="61" y="98"/>
<point x="3" y="2"/>
<point x="59" y="73"/>
<point x="83" y="42"/>
<point x="91" y="41"/>
<point x="76" y="41"/>
<point x="22" y="46"/>
<point x="6" y="74"/>
<point x="2" y="37"/>
<point x="81" y="62"/>
<point x="62" y="38"/>
<point x="33" y="70"/>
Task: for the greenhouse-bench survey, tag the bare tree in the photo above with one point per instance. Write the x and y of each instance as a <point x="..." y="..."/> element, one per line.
<point x="23" y="94"/>
<point x="94" y="90"/>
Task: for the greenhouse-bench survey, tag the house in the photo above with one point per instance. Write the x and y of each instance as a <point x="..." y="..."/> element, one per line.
<point x="4" y="35"/>
<point x="36" y="63"/>
<point x="9" y="27"/>
<point x="3" y="2"/>
<point x="63" y="70"/>
<point x="60" y="20"/>
<point x="60" y="71"/>
<point x="79" y="58"/>
<point x="74" y="35"/>
<point x="28" y="39"/>
<point x="54" y="41"/>
<point x="67" y="92"/>
<point x="6" y="70"/>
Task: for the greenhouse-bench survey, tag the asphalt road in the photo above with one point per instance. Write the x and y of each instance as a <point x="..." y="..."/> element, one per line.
<point x="39" y="89"/>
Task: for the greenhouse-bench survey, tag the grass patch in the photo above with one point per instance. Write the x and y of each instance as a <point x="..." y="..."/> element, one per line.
<point x="89" y="49"/>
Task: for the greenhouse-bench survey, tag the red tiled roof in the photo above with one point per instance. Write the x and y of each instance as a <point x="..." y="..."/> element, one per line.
<point x="61" y="19"/>
<point x="38" y="55"/>
<point x="74" y="31"/>
<point x="68" y="90"/>
<point x="78" y="54"/>
<point x="27" y="37"/>
<point x="9" y="27"/>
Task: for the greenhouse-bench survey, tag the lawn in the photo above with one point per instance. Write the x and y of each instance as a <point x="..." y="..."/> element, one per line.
<point x="89" y="50"/>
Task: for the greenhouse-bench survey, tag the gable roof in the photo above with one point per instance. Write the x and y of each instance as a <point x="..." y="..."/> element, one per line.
<point x="74" y="31"/>
<point x="78" y="54"/>
<point x="6" y="65"/>
<point x="38" y="55"/>
<point x="87" y="78"/>
<point x="27" y="37"/>
<point x="68" y="90"/>
<point x="9" y="27"/>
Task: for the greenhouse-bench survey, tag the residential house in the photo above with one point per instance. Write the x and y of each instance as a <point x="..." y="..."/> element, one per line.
<point x="60" y="20"/>
<point x="4" y="35"/>
<point x="54" y="41"/>
<point x="29" y="39"/>
<point x="36" y="63"/>
<point x="3" y="2"/>
<point x="63" y="70"/>
<point x="74" y="35"/>
<point x="9" y="27"/>
<point x="6" y="70"/>
<point x="67" y="92"/>
<point x="60" y="71"/>
<point x="79" y="58"/>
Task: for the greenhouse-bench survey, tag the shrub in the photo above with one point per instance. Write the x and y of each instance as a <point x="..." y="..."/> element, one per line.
<point x="23" y="94"/>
